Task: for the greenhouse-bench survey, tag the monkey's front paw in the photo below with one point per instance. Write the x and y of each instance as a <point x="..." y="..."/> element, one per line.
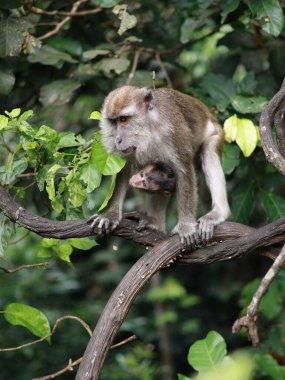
<point x="188" y="233"/>
<point x="206" y="228"/>
<point x="105" y="223"/>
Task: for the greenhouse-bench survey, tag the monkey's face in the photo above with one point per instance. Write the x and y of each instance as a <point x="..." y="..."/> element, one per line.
<point x="126" y="120"/>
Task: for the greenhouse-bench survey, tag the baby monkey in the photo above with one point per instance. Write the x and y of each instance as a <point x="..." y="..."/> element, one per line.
<point x="156" y="177"/>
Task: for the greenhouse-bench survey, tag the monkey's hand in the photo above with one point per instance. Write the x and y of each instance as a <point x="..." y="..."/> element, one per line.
<point x="207" y="224"/>
<point x="188" y="232"/>
<point x="106" y="222"/>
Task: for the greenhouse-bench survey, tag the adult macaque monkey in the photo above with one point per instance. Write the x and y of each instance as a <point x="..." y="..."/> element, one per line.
<point x="165" y="125"/>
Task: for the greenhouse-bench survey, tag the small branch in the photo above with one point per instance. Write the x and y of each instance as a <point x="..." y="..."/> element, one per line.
<point x="123" y="342"/>
<point x="69" y="367"/>
<point x="24" y="175"/>
<point x="161" y="65"/>
<point x="84" y="324"/>
<point x="40" y="11"/>
<point x="63" y="22"/>
<point x="134" y="66"/>
<point x="250" y="320"/>
<point x="27" y="266"/>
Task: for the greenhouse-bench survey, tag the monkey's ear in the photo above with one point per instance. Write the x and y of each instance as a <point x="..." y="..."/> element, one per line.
<point x="148" y="98"/>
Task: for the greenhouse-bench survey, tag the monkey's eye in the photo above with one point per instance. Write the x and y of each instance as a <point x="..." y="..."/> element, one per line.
<point x="141" y="174"/>
<point x="112" y="121"/>
<point x="123" y="118"/>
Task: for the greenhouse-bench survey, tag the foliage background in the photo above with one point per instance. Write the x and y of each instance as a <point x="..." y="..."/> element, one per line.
<point x="231" y="56"/>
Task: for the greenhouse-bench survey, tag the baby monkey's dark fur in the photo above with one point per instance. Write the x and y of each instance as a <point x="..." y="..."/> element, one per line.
<point x="156" y="177"/>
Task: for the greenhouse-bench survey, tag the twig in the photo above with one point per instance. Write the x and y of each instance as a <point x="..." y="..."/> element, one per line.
<point x="249" y="321"/>
<point x="125" y="341"/>
<point x="161" y="65"/>
<point x="57" y="322"/>
<point x="40" y="11"/>
<point x="71" y="364"/>
<point x="61" y="23"/>
<point x="26" y="266"/>
<point x="134" y="66"/>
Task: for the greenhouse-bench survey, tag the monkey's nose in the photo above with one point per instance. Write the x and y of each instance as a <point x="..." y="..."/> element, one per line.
<point x="118" y="140"/>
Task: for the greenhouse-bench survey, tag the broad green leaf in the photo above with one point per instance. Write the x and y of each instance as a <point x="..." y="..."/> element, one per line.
<point x="187" y="28"/>
<point x="64" y="251"/>
<point x="208" y="353"/>
<point x="27" y="316"/>
<point x="26" y="115"/>
<point x="49" y="242"/>
<point x="44" y="253"/>
<point x="105" y="3"/>
<point x="245" y="104"/>
<point x="47" y="55"/>
<point x="58" y="92"/>
<point x="77" y="193"/>
<point x="243" y="202"/>
<point x="273" y="205"/>
<point x="14" y="113"/>
<point x="50" y="181"/>
<point x="68" y="45"/>
<point x="88" y="55"/>
<point x="112" y="65"/>
<point x="231" y="6"/>
<point x="46" y="134"/>
<point x="109" y="194"/>
<point x="220" y="88"/>
<point x="12" y="33"/>
<point x="3" y="122"/>
<point x="68" y="139"/>
<point x="269" y="367"/>
<point x="230" y="158"/>
<point x="95" y="115"/>
<point x="127" y="21"/>
<point x="230" y="129"/>
<point x="90" y="175"/>
<point x="269" y="13"/>
<point x="7" y="80"/>
<point x="107" y="164"/>
<point x="83" y="243"/>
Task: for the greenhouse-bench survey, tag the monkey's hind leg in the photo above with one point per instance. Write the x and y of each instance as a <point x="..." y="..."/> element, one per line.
<point x="216" y="183"/>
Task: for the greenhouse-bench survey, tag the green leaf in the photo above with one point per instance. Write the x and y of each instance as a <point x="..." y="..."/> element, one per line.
<point x="243" y="202"/>
<point x="27" y="316"/>
<point x="88" y="55"/>
<point x="26" y="115"/>
<point x="12" y="34"/>
<point x="187" y="28"/>
<point x="14" y="113"/>
<point x="220" y="88"/>
<point x="230" y="158"/>
<point x="58" y="92"/>
<point x="7" y="80"/>
<point x="269" y="367"/>
<point x="109" y="194"/>
<point x="47" y="55"/>
<point x="107" y="164"/>
<point x="68" y="139"/>
<point x="230" y="128"/>
<point x="112" y="65"/>
<point x="95" y="115"/>
<point x="269" y="13"/>
<point x="127" y="21"/>
<point x="273" y="205"/>
<point x="245" y="104"/>
<point x="64" y="251"/>
<point x="208" y="353"/>
<point x="83" y="243"/>
<point x="91" y="176"/>
<point x="50" y="181"/>
<point x="3" y="122"/>
<point x="231" y="6"/>
<point x="77" y="193"/>
<point x="246" y="136"/>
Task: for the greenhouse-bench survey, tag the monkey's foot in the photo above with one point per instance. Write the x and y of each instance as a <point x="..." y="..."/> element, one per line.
<point x="207" y="224"/>
<point x="188" y="233"/>
<point x="105" y="223"/>
<point x="146" y="222"/>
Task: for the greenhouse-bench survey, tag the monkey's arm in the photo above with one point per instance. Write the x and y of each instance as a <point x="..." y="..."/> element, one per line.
<point x="186" y="227"/>
<point x="110" y="219"/>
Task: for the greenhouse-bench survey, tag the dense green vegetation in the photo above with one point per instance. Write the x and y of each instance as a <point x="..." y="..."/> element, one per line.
<point x="58" y="60"/>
